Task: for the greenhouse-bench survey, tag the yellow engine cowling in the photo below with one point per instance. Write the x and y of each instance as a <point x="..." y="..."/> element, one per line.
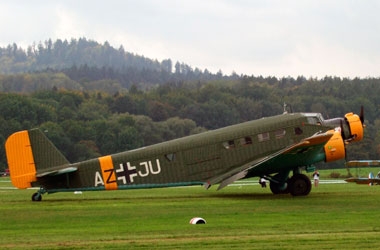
<point x="356" y="126"/>
<point x="334" y="148"/>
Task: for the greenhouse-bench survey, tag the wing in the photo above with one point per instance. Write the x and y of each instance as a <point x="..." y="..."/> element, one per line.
<point x="308" y="147"/>
<point x="363" y="180"/>
<point x="363" y="163"/>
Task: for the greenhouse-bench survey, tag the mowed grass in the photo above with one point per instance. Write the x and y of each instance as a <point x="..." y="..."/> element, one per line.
<point x="333" y="216"/>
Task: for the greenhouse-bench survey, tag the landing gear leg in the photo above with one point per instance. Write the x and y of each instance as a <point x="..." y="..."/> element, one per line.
<point x="278" y="188"/>
<point x="38" y="195"/>
<point x="278" y="184"/>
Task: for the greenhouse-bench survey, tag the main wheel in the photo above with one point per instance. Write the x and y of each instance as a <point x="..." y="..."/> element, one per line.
<point x="299" y="185"/>
<point x="36" y="197"/>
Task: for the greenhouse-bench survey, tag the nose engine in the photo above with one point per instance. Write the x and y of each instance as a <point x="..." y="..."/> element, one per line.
<point x="347" y="129"/>
<point x="356" y="127"/>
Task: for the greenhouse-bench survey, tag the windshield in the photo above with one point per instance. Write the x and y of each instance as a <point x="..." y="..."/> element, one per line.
<point x="314" y="118"/>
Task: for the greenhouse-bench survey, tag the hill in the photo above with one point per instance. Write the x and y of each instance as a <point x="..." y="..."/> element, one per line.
<point x="84" y="60"/>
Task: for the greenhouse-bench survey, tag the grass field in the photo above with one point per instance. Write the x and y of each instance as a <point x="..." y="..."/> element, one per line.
<point x="333" y="216"/>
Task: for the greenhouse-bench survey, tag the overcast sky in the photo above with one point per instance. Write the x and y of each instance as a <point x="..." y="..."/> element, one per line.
<point x="255" y="37"/>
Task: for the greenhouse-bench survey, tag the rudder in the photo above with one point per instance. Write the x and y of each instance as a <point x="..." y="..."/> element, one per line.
<point x="20" y="159"/>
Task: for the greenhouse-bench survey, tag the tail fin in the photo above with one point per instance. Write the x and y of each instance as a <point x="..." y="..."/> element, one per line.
<point x="29" y="152"/>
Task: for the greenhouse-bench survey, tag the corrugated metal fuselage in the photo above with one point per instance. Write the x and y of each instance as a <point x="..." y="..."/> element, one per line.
<point x="191" y="160"/>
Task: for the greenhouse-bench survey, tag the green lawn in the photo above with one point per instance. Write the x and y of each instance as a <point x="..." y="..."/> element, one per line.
<point x="333" y="216"/>
<point x="342" y="173"/>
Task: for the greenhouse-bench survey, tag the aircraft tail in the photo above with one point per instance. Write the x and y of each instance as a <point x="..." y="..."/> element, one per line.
<point x="370" y="176"/>
<point x="28" y="153"/>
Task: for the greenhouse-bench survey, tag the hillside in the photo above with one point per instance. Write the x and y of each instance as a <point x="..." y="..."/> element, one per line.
<point x="87" y="61"/>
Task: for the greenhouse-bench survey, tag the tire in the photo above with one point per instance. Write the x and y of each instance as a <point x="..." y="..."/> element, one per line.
<point x="299" y="185"/>
<point x="36" y="197"/>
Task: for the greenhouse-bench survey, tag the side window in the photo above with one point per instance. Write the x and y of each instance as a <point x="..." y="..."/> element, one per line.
<point x="298" y="131"/>
<point x="263" y="137"/>
<point x="245" y="141"/>
<point x="280" y="133"/>
<point x="229" y="144"/>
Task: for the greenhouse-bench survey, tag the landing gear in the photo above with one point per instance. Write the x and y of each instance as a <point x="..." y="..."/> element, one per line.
<point x="278" y="187"/>
<point x="299" y="185"/>
<point x="38" y="195"/>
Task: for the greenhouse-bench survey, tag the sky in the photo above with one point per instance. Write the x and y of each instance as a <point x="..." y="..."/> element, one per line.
<point x="312" y="38"/>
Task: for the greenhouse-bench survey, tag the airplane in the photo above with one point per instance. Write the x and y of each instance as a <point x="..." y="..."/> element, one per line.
<point x="269" y="148"/>
<point x="371" y="180"/>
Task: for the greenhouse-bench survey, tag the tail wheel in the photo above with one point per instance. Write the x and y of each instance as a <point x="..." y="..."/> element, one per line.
<point x="36" y="197"/>
<point x="299" y="185"/>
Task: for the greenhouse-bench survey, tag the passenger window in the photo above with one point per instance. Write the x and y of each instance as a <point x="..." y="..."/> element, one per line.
<point x="263" y="137"/>
<point x="229" y="144"/>
<point x="246" y="141"/>
<point x="298" y="131"/>
<point x="280" y="133"/>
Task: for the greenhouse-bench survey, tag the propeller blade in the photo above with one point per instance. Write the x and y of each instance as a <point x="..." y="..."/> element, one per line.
<point x="362" y="115"/>
<point x="341" y="130"/>
<point x="344" y="139"/>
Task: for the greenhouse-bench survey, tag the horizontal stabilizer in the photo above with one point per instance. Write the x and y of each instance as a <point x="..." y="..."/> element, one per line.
<point x="363" y="163"/>
<point x="363" y="180"/>
<point x="56" y="172"/>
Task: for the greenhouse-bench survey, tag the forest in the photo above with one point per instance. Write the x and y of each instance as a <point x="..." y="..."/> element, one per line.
<point x="92" y="99"/>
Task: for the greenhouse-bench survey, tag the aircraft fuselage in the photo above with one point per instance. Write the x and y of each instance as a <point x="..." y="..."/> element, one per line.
<point x="191" y="160"/>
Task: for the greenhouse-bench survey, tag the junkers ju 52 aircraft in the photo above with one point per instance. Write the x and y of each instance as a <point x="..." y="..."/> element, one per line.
<point x="270" y="148"/>
<point x="371" y="180"/>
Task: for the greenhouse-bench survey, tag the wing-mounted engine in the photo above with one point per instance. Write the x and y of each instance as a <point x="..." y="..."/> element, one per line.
<point x="334" y="148"/>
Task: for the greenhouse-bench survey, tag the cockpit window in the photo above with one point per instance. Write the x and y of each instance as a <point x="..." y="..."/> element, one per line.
<point x="313" y="120"/>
